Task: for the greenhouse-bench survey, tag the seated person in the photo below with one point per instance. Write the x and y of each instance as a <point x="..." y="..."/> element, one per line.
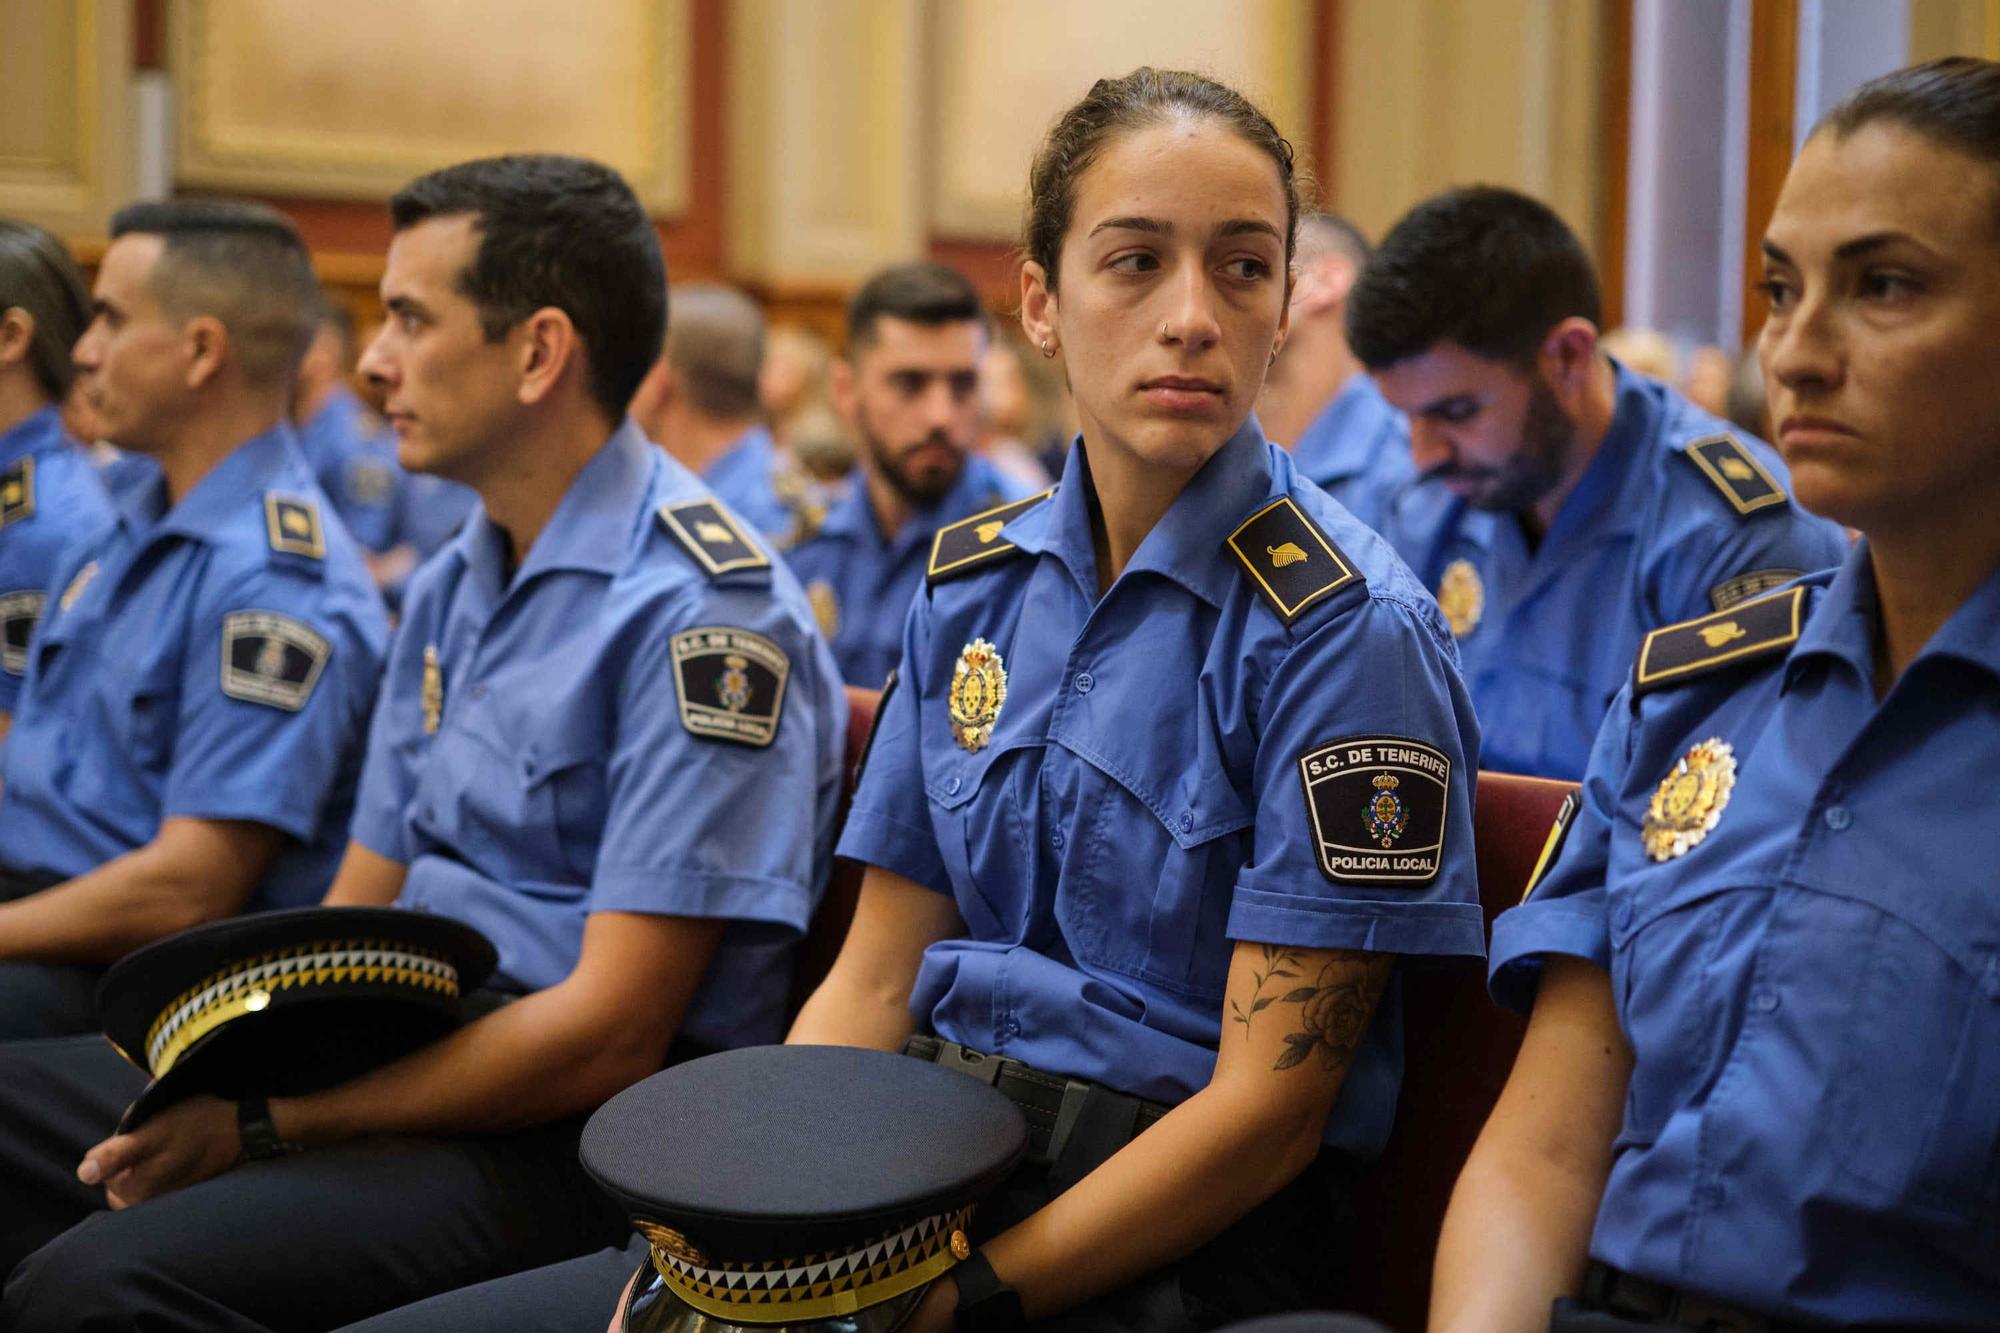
<point x="606" y="737"/>
<point x="908" y="386"/>
<point x="1567" y="505"/>
<point x="1178" y="765"/>
<point x="1761" y="1080"/>
<point x="189" y="726"/>
<point x="48" y="490"/>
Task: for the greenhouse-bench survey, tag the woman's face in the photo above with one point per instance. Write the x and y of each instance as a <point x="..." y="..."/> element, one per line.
<point x="1171" y="295"/>
<point x="1882" y="265"/>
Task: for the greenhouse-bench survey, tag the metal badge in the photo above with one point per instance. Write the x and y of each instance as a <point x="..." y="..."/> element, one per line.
<point x="978" y="689"/>
<point x="826" y="606"/>
<point x="77" y="585"/>
<point x="1689" y="800"/>
<point x="433" y="695"/>
<point x="1462" y="597"/>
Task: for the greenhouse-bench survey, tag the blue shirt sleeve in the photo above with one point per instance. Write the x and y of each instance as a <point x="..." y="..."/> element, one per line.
<point x="889" y="823"/>
<point x="261" y="739"/>
<point x="1565" y="913"/>
<point x="1373" y="676"/>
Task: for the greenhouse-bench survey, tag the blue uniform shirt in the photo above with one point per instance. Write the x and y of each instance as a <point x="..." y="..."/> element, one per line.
<point x="49" y="493"/>
<point x="746" y="479"/>
<point x="861" y="585"/>
<point x="530" y="760"/>
<point x="215" y="660"/>
<point x="1812" y="990"/>
<point x="1646" y="539"/>
<point x="1142" y="803"/>
<point x="1358" y="450"/>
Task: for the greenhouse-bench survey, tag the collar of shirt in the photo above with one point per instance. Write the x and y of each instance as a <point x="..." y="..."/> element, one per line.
<point x="1344" y="439"/>
<point x="39" y="430"/>
<point x="1597" y="503"/>
<point x="269" y="461"/>
<point x="591" y="529"/>
<point x="752" y="457"/>
<point x="1185" y="545"/>
<point x="1842" y="624"/>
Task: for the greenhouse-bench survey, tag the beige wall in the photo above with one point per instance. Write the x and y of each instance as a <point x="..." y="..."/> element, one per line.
<point x="65" y="111"/>
<point x="1954" y="28"/>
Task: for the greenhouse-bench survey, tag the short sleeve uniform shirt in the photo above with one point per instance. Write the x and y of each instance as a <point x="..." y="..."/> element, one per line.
<point x="1791" y="884"/>
<point x="49" y="493"/>
<point x="1171" y="768"/>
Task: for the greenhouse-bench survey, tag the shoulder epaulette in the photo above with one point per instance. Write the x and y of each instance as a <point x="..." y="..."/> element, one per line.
<point x="1743" y="480"/>
<point x="17" y="491"/>
<point x="971" y="542"/>
<point x="711" y="535"/>
<point x="1744" y="633"/>
<point x="291" y="522"/>
<point x="1290" y="560"/>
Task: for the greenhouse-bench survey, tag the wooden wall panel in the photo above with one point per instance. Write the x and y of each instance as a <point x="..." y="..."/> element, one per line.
<point x="65" y="112"/>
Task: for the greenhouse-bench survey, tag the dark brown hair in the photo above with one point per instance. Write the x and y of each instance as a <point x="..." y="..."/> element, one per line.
<point x="1955" y="101"/>
<point x="1140" y="99"/>
<point x="38" y="275"/>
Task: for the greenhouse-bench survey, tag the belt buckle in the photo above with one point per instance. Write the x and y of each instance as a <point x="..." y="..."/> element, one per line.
<point x="973" y="1064"/>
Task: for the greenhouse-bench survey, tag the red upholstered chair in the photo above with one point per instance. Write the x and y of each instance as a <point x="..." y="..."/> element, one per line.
<point x="836" y="910"/>
<point x="1458" y="1049"/>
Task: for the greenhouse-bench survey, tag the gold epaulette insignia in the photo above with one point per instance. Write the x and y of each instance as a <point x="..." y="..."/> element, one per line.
<point x="1290" y="560"/>
<point x="1736" y="473"/>
<point x="292" y="524"/>
<point x="712" y="536"/>
<point x="974" y="541"/>
<point x="17" y="492"/>
<point x="1745" y="632"/>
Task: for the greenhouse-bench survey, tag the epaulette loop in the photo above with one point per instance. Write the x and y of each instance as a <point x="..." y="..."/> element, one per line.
<point x="17" y="491"/>
<point x="972" y="542"/>
<point x="292" y="525"/>
<point x="1289" y="559"/>
<point x="1744" y="633"/>
<point x="711" y="534"/>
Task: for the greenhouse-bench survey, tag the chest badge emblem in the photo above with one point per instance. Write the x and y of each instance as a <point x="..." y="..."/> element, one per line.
<point x="978" y="689"/>
<point x="1462" y="597"/>
<point x="826" y="606"/>
<point x="433" y="690"/>
<point x="77" y="585"/>
<point x="1689" y="800"/>
<point x="1387" y="817"/>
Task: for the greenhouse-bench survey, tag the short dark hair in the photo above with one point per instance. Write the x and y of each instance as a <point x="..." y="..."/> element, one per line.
<point x="1483" y="267"/>
<point x="557" y="231"/>
<point x="1112" y="107"/>
<point x="921" y="292"/>
<point x="716" y="348"/>
<point x="39" y="276"/>
<point x="242" y="263"/>
<point x="1954" y="101"/>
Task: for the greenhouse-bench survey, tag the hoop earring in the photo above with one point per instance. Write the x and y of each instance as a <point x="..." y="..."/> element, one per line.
<point x="1047" y="350"/>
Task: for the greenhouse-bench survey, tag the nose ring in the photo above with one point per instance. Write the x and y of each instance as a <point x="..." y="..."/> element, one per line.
<point x="1166" y="334"/>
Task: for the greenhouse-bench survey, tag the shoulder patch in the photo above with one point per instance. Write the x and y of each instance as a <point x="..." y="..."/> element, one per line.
<point x="292" y="524"/>
<point x="1377" y="809"/>
<point x="711" y="535"/>
<point x="1736" y="473"/>
<point x="268" y="658"/>
<point x="1743" y="587"/>
<point x="17" y="492"/>
<point x="1552" y="847"/>
<point x="1752" y="630"/>
<point x="974" y="541"/>
<point x="731" y="684"/>
<point x="1292" y="562"/>
<point x="20" y="612"/>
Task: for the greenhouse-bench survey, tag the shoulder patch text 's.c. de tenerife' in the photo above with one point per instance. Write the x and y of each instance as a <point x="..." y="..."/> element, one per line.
<point x="1289" y="560"/>
<point x="973" y="542"/>
<point x="711" y="535"/>
<point x="1376" y="805"/>
<point x="731" y="684"/>
<point x="1744" y="633"/>
<point x="268" y="658"/>
<point x="1736" y="473"/>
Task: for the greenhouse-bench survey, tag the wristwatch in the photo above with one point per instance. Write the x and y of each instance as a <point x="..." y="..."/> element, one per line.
<point x="259" y="1135"/>
<point x="985" y="1303"/>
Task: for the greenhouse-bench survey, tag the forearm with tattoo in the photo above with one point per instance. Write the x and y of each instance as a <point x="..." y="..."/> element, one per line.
<point x="1333" y="1010"/>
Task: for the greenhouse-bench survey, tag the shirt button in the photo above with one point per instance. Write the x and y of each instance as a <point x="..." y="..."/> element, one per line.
<point x="1187" y="822"/>
<point x="1622" y="918"/>
<point x="1838" y="817"/>
<point x="1764" y="1001"/>
<point x="951" y="788"/>
<point x="1057" y="839"/>
<point x="1084" y="682"/>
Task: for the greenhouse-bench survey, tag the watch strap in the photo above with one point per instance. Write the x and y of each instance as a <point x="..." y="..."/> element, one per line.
<point x="985" y="1303"/>
<point x="259" y="1134"/>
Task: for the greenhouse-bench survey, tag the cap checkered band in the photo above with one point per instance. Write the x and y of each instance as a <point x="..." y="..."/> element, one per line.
<point x="247" y="986"/>
<point x="818" y="1286"/>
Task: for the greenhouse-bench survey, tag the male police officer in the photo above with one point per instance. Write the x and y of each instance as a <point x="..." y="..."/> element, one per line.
<point x="1568" y="505"/>
<point x="700" y="404"/>
<point x="189" y="728"/>
<point x="1317" y="400"/>
<point x="48" y="490"/>
<point x="609" y="736"/>
<point x="909" y="388"/>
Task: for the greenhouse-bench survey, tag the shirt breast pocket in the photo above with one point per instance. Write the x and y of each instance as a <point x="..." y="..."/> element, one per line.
<point x="1663" y="961"/>
<point x="532" y="791"/>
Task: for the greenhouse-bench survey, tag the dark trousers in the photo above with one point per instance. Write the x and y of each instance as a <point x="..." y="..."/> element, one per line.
<point x="1278" y="1258"/>
<point x="43" y="999"/>
<point x="311" y="1241"/>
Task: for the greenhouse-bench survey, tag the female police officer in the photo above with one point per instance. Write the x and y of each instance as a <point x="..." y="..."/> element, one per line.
<point x="1178" y="762"/>
<point x="1765" y="1047"/>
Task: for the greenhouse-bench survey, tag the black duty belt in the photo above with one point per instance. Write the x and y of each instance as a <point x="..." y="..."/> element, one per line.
<point x="1062" y="1112"/>
<point x="1616" y="1292"/>
<point x="21" y="883"/>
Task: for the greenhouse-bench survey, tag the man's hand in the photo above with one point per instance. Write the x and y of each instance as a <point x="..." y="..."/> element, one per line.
<point x="181" y="1146"/>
